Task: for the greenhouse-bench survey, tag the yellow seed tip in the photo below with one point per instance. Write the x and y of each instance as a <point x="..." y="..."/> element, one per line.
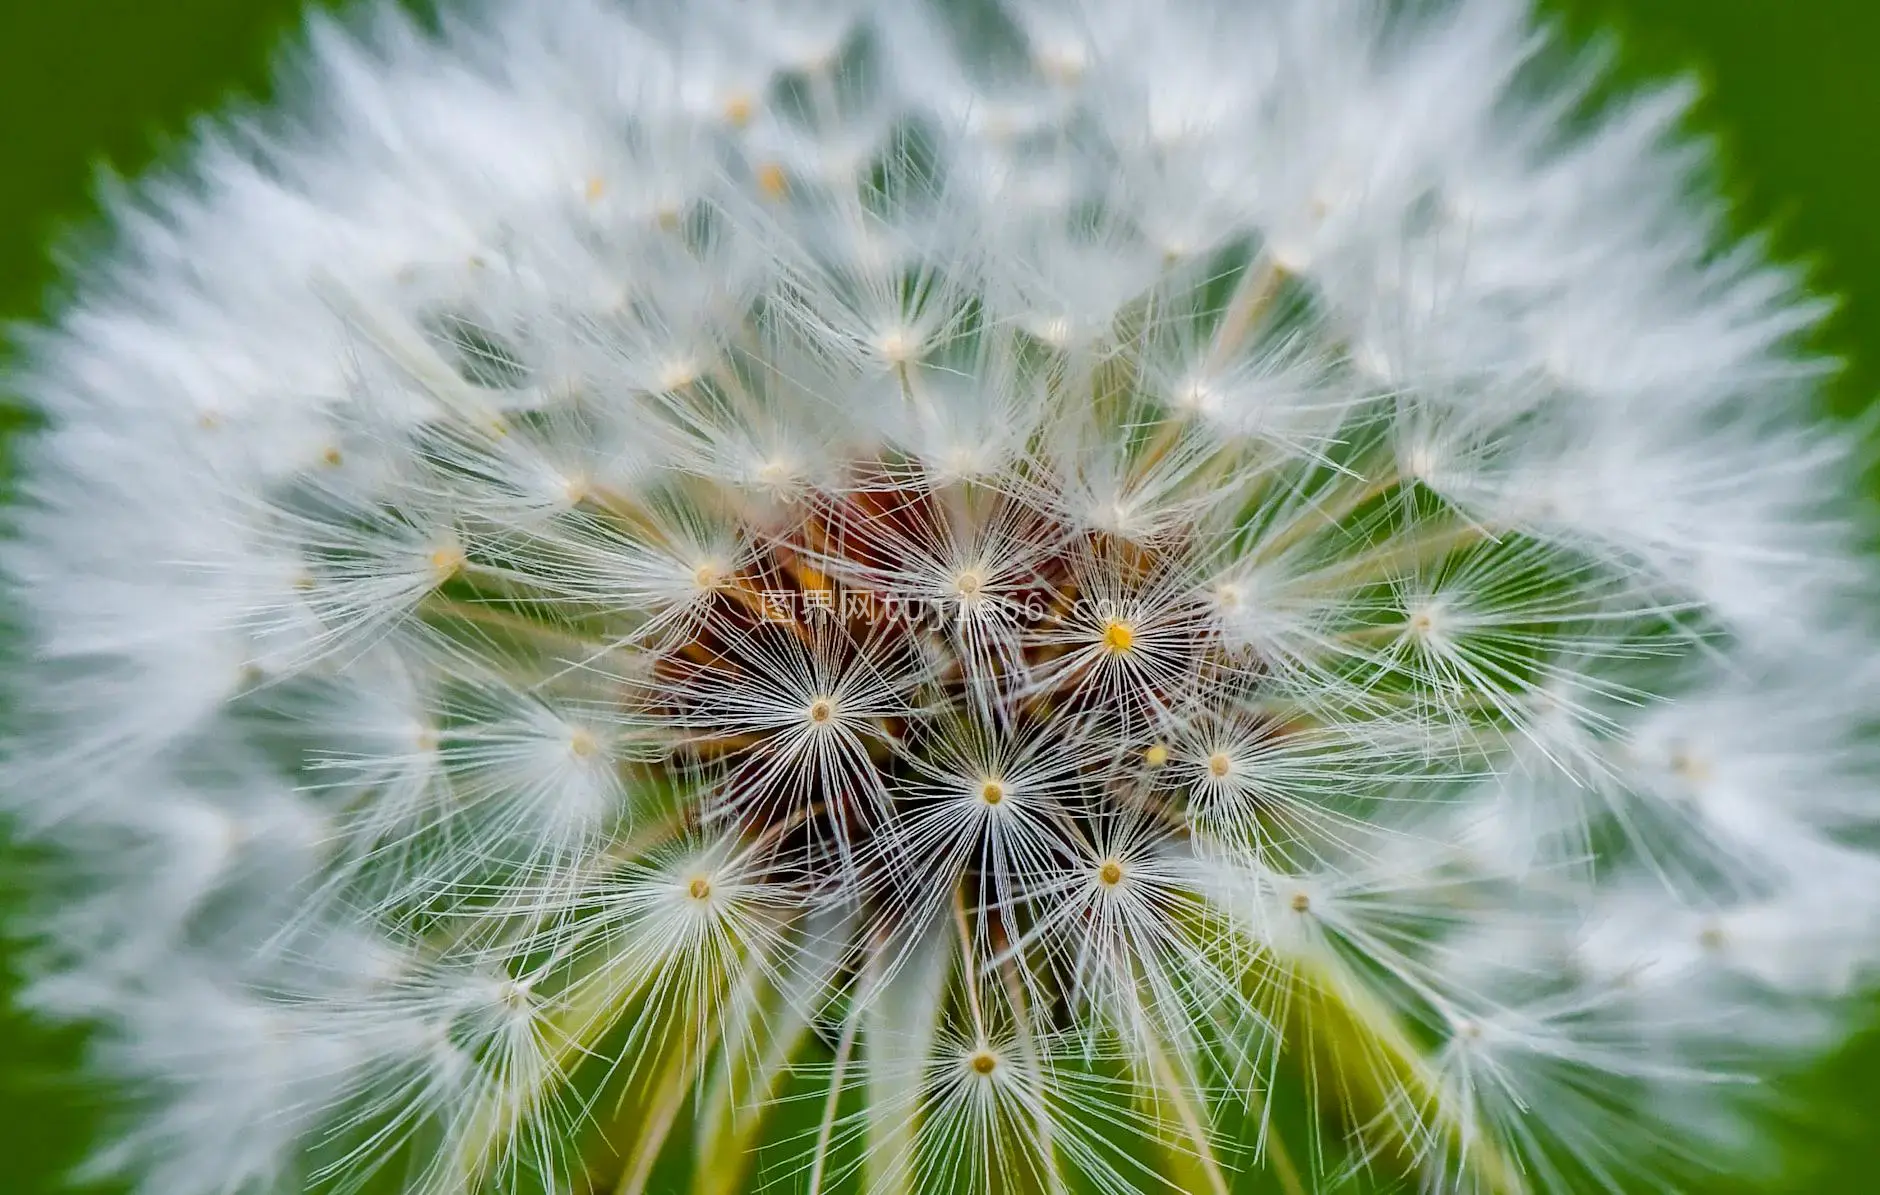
<point x="772" y="181"/>
<point x="446" y="561"/>
<point x="1118" y="637"/>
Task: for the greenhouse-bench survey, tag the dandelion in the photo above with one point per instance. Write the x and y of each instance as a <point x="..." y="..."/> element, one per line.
<point x="903" y="597"/>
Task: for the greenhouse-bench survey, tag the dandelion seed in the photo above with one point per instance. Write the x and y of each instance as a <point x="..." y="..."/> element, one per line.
<point x="1102" y="595"/>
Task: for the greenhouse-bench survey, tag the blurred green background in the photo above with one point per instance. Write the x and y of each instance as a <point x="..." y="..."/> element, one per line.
<point x="1793" y="94"/>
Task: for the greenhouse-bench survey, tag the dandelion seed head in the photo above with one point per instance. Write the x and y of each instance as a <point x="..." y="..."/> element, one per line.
<point x="1065" y="588"/>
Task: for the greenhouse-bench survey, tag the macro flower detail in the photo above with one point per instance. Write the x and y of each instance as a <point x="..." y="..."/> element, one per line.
<point x="903" y="598"/>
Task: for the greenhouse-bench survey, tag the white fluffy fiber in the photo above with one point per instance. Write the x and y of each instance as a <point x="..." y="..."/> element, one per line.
<point x="1503" y="662"/>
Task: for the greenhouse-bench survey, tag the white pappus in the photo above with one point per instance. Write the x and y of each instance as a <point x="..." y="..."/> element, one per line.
<point x="898" y="596"/>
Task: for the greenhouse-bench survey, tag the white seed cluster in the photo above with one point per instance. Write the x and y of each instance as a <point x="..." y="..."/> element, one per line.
<point x="912" y="598"/>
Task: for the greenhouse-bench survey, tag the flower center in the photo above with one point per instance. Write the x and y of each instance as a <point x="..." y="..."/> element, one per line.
<point x="851" y="591"/>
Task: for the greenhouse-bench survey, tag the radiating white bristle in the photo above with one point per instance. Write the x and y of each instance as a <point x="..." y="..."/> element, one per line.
<point x="1051" y="589"/>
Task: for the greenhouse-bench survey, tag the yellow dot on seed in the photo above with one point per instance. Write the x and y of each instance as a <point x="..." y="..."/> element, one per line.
<point x="897" y="347"/>
<point x="738" y="109"/>
<point x="1118" y="637"/>
<point x="583" y="743"/>
<point x="678" y="375"/>
<point x="983" y="1062"/>
<point x="1110" y="873"/>
<point x="772" y="181"/>
<point x="1156" y="756"/>
<point x="699" y="888"/>
<point x="705" y="576"/>
<point x="576" y="490"/>
<point x="1219" y="764"/>
<point x="209" y="420"/>
<point x="446" y="561"/>
<point x="425" y="739"/>
<point x="821" y="710"/>
<point x="1689" y="767"/>
<point x="992" y="792"/>
<point x="1301" y="902"/>
<point x="1064" y="66"/>
<point x="1422" y="622"/>
<point x="303" y="581"/>
<point x="968" y="584"/>
<point x="596" y="187"/>
<point x="332" y="458"/>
